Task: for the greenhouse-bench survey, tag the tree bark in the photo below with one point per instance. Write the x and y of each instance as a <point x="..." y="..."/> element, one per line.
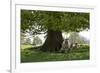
<point x="53" y="41"/>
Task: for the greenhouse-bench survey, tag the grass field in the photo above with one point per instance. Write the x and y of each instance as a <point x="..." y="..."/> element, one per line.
<point x="29" y="54"/>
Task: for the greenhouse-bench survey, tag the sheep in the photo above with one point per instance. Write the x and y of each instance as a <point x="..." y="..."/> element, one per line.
<point x="67" y="45"/>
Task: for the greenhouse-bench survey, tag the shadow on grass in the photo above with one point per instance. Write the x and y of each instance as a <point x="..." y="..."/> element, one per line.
<point x="34" y="54"/>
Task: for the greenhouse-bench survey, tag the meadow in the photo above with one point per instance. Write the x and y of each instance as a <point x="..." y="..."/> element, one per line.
<point x="33" y="54"/>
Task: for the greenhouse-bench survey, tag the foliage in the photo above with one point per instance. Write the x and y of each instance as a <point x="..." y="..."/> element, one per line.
<point x="34" y="55"/>
<point x="37" y="21"/>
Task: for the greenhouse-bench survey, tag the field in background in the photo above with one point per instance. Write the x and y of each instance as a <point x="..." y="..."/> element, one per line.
<point x="26" y="46"/>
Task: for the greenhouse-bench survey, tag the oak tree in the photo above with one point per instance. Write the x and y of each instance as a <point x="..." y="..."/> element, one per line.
<point x="53" y="23"/>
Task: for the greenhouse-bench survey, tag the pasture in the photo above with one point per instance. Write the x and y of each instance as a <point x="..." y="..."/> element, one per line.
<point x="33" y="54"/>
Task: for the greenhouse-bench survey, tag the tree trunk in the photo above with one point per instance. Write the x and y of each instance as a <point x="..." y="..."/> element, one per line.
<point x="53" y="41"/>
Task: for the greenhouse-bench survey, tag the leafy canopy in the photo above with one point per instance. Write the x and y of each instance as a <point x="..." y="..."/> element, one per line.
<point x="40" y="21"/>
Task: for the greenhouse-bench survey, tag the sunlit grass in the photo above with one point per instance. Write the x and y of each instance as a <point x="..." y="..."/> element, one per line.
<point x="25" y="46"/>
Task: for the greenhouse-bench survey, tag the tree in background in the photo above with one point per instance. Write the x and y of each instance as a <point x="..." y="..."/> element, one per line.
<point x="28" y="41"/>
<point x="37" y="41"/>
<point x="23" y="38"/>
<point x="53" y="23"/>
<point x="76" y="38"/>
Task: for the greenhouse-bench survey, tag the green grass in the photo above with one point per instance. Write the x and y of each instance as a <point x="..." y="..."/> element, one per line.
<point x="29" y="54"/>
<point x="25" y="46"/>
